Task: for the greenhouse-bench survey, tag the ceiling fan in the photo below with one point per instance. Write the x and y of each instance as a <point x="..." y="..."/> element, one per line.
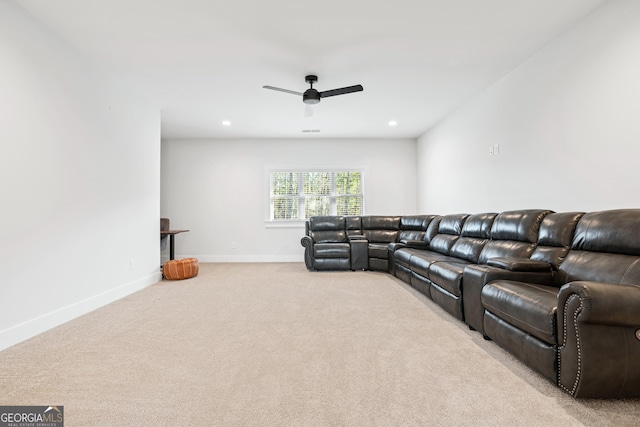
<point x="311" y="96"/>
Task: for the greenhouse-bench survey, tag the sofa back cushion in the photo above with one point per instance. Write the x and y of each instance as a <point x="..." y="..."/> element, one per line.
<point x="381" y="229"/>
<point x="505" y="248"/>
<point x="513" y="234"/>
<point x="432" y="229"/>
<point x="414" y="227"/>
<point x="605" y="248"/>
<point x="475" y="234"/>
<point x="353" y="225"/>
<point x="599" y="267"/>
<point x="555" y="237"/>
<point x="479" y="225"/>
<point x="521" y="226"/>
<point x="449" y="230"/>
<point x="327" y="229"/>
<point x="614" y="231"/>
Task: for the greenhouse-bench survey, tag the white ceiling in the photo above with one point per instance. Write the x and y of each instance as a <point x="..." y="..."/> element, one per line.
<point x="205" y="61"/>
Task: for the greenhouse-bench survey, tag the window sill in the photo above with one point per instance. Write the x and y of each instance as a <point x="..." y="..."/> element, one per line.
<point x="284" y="224"/>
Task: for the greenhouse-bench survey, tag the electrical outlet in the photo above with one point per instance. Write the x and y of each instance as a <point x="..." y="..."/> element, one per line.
<point x="496" y="149"/>
<point x="233" y="245"/>
<point x="491" y="150"/>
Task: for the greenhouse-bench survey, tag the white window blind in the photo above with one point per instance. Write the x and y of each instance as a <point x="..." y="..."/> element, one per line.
<point x="298" y="194"/>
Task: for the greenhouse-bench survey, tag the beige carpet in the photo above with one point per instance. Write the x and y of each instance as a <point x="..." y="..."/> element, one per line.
<point x="275" y="345"/>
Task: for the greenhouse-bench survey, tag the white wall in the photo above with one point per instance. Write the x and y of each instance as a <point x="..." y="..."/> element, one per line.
<point x="567" y="122"/>
<point x="79" y="182"/>
<point x="218" y="190"/>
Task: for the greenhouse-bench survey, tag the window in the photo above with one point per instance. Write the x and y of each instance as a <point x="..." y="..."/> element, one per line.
<point x="296" y="194"/>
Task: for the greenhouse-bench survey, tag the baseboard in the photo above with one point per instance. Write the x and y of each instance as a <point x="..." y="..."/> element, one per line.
<point x="40" y="324"/>
<point x="243" y="258"/>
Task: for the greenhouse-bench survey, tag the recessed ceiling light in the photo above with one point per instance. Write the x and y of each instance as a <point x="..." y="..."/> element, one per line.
<point x="226" y="123"/>
<point x="393" y="123"/>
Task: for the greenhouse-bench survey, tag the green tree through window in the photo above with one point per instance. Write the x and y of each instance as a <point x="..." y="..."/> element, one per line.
<point x="348" y="193"/>
<point x="284" y="195"/>
<point x="297" y="195"/>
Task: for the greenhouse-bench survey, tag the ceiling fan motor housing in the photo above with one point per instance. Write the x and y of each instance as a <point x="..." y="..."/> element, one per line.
<point x="311" y="96"/>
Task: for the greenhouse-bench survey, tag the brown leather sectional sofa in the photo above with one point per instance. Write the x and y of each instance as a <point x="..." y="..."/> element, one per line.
<point x="560" y="291"/>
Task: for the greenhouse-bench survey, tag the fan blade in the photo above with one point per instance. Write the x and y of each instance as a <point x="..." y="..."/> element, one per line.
<point x="341" y="91"/>
<point x="293" y="92"/>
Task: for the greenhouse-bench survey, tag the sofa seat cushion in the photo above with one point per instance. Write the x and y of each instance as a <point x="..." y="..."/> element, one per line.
<point x="527" y="306"/>
<point x="403" y="255"/>
<point x="448" y="275"/>
<point x="378" y="250"/>
<point x="331" y="250"/>
<point x="422" y="260"/>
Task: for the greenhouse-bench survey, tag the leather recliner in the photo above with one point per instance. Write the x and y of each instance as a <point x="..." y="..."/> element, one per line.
<point x="326" y="244"/>
<point x="583" y="330"/>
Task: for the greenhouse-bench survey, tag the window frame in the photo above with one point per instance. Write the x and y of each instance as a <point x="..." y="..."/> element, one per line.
<point x="300" y="170"/>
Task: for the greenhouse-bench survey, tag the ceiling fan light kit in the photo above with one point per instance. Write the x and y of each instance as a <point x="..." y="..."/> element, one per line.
<point x="311" y="96"/>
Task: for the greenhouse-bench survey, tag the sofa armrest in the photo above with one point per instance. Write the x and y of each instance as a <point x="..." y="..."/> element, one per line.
<point x="604" y="303"/>
<point x="599" y="340"/>
<point x="307" y="242"/>
<point x="417" y="244"/>
<point x="519" y="264"/>
<point x="357" y="237"/>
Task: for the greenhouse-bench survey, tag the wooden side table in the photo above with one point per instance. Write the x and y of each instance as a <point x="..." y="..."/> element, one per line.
<point x="172" y="234"/>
